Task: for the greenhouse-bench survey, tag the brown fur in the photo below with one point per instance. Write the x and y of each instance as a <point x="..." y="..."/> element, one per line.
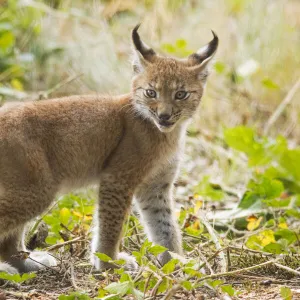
<point x="52" y="145"/>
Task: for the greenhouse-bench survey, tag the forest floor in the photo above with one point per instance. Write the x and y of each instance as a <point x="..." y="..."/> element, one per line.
<point x="248" y="273"/>
<point x="71" y="275"/>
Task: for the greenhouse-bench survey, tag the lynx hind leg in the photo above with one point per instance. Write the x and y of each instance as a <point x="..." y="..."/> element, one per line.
<point x="114" y="204"/>
<point x="10" y="252"/>
<point x="13" y="217"/>
<point x="155" y="204"/>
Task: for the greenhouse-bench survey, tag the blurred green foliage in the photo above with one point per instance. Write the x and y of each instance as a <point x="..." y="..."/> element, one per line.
<point x="274" y="186"/>
<point x="17" y="31"/>
<point x="21" y="51"/>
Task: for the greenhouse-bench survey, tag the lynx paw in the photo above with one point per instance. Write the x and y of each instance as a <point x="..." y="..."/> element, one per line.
<point x="4" y="267"/>
<point x="36" y="261"/>
<point x="164" y="257"/>
<point x="131" y="264"/>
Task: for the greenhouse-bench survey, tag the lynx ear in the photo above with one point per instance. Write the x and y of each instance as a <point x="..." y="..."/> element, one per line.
<point x="199" y="61"/>
<point x="143" y="55"/>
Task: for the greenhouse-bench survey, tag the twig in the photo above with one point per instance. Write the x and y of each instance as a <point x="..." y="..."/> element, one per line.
<point x="222" y="274"/>
<point x="228" y="259"/>
<point x="282" y="106"/>
<point x="155" y="289"/>
<point x="72" y="275"/>
<point x="139" y="274"/>
<point x="37" y="223"/>
<point x="215" y="239"/>
<point x="134" y="228"/>
<point x="147" y="283"/>
<point x="75" y="240"/>
<point x="22" y="295"/>
<point x="250" y="250"/>
<point x="178" y="286"/>
<point x="287" y="269"/>
<point x="193" y="236"/>
<point x="212" y="257"/>
<point x="46" y="94"/>
<point x="205" y="262"/>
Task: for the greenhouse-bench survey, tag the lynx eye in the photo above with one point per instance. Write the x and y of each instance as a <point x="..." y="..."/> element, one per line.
<point x="150" y="93"/>
<point x="180" y="95"/>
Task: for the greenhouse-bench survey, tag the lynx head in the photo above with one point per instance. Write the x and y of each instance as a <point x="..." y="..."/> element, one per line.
<point x="167" y="90"/>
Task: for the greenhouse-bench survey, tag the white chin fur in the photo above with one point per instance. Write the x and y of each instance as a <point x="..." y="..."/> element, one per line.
<point x="165" y="129"/>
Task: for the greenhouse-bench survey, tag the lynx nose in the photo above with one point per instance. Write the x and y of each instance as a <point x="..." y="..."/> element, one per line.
<point x="164" y="117"/>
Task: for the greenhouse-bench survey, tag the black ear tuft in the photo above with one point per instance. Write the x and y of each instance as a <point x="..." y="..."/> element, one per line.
<point x="205" y="52"/>
<point x="136" y="37"/>
<point x="140" y="46"/>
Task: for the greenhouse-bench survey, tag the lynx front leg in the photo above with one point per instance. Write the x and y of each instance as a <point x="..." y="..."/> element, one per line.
<point x="155" y="205"/>
<point x="114" y="203"/>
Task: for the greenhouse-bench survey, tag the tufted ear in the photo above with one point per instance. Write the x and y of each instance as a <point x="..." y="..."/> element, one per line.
<point x="143" y="55"/>
<point x="199" y="61"/>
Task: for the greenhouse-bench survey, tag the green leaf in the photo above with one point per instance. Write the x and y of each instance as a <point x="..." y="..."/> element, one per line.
<point x="138" y="256"/>
<point x="120" y="288"/>
<point x="168" y="48"/>
<point x="266" y="188"/>
<point x="125" y="277"/>
<point x="248" y="200"/>
<point x="286" y="293"/>
<point x="17" y="277"/>
<point x="206" y="189"/>
<point x="64" y="216"/>
<point x="137" y="294"/>
<point x="274" y="248"/>
<point x="263" y="188"/>
<point x="277" y="202"/>
<point x="293" y="213"/>
<point x="52" y="240"/>
<point x="163" y="286"/>
<point x="216" y="283"/>
<point x="181" y="43"/>
<point x="111" y="297"/>
<point x="146" y="245"/>
<point x="157" y="249"/>
<point x="169" y="267"/>
<point x="103" y="257"/>
<point x="228" y="289"/>
<point x="219" y="67"/>
<point x="243" y="139"/>
<point x="240" y="138"/>
<point x="258" y="241"/>
<point x="286" y="234"/>
<point x="290" y="161"/>
<point x="7" y="40"/>
<point x="74" y="296"/>
<point x="268" y="83"/>
<point x="187" y="285"/>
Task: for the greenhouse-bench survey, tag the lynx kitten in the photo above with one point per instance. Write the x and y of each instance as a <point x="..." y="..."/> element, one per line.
<point x="131" y="145"/>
